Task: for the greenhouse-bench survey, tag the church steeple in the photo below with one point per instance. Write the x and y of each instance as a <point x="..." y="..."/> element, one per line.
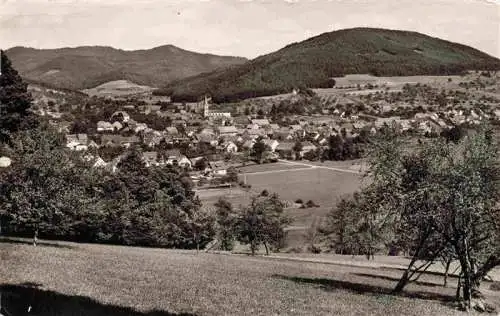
<point x="205" y="107"/>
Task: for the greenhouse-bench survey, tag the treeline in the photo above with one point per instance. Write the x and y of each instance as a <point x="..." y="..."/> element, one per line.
<point x="261" y="222"/>
<point x="54" y="193"/>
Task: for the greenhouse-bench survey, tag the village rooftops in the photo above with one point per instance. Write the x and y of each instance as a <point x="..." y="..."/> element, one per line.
<point x="261" y="122"/>
<point x="228" y="130"/>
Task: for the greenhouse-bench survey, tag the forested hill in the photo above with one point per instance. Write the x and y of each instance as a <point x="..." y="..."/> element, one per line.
<point x="89" y="66"/>
<point x="313" y="62"/>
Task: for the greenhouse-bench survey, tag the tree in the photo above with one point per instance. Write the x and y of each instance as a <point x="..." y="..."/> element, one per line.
<point x="262" y="222"/>
<point x="441" y="198"/>
<point x="297" y="148"/>
<point x="201" y="224"/>
<point x="225" y="224"/>
<point x="15" y="101"/>
<point x="312" y="235"/>
<point x="258" y="150"/>
<point x="46" y="190"/>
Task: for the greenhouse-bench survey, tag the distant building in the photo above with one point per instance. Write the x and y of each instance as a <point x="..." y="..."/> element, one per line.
<point x="207" y="113"/>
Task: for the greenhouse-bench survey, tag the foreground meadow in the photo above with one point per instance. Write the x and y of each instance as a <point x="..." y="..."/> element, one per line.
<point x="81" y="279"/>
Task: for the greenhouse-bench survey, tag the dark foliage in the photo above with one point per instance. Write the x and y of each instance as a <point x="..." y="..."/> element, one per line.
<point x="313" y="62"/>
<point x="15" y="101"/>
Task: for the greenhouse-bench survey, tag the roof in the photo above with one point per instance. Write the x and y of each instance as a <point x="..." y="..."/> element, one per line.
<point x="206" y="138"/>
<point x="77" y="137"/>
<point x="173" y="153"/>
<point x="228" y="129"/>
<point x="150" y="155"/>
<point x="285" y="146"/>
<point x="102" y="124"/>
<point x="172" y="130"/>
<point x="261" y="122"/>
<point x="308" y="144"/>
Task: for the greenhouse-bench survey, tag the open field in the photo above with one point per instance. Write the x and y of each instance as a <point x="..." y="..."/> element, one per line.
<point x="324" y="183"/>
<point x="116" y="88"/>
<point x="323" y="186"/>
<point x="82" y="279"/>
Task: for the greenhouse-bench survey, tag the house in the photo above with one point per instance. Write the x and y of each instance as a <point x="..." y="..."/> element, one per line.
<point x="261" y="122"/>
<point x="184" y="162"/>
<point x="172" y="156"/>
<point x="92" y="144"/>
<point x="148" y="109"/>
<point x="140" y="127"/>
<point x="208" y="131"/>
<point x="271" y="143"/>
<point x="118" y="140"/>
<point x="150" y="158"/>
<point x="248" y="144"/>
<point x="180" y="122"/>
<point x="254" y="133"/>
<point x="77" y="141"/>
<point x="104" y="126"/>
<point x="172" y="130"/>
<point x="207" y="138"/>
<point x="219" y="168"/>
<point x="274" y="127"/>
<point x="111" y="140"/>
<point x="358" y="125"/>
<point x="230" y="147"/>
<point x="117" y="126"/>
<point x="99" y="163"/>
<point x="152" y="139"/>
<point x="285" y="149"/>
<point x="228" y="131"/>
<point x="121" y="116"/>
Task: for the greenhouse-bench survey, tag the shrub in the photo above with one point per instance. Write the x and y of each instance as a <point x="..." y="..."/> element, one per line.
<point x="311" y="203"/>
<point x="299" y="201"/>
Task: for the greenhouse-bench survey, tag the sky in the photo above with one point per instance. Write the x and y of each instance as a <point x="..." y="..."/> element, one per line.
<point x="247" y="28"/>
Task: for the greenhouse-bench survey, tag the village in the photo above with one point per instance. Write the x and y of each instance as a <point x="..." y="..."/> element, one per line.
<point x="207" y="140"/>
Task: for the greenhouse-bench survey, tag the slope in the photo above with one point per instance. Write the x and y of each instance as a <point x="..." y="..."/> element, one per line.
<point x="89" y="66"/>
<point x="313" y="62"/>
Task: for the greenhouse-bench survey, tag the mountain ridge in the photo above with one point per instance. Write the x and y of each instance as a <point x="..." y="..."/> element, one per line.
<point x="89" y="66"/>
<point x="313" y="62"/>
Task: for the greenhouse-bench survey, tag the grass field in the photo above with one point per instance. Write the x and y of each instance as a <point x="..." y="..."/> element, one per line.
<point x="323" y="186"/>
<point x="81" y="279"/>
<point x="316" y="181"/>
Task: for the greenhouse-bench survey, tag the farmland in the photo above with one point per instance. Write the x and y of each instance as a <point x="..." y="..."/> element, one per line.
<point x="110" y="280"/>
<point x="322" y="185"/>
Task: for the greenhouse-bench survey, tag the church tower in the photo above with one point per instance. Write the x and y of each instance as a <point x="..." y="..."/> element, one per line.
<point x="205" y="107"/>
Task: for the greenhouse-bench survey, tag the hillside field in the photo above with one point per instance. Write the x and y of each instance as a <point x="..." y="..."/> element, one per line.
<point x="81" y="279"/>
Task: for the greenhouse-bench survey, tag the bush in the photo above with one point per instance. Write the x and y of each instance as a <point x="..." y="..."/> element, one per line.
<point x="314" y="249"/>
<point x="299" y="201"/>
<point x="310" y="204"/>
<point x="264" y="193"/>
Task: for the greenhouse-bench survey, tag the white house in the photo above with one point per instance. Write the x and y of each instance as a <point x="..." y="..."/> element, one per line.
<point x="104" y="126"/>
<point x="272" y="143"/>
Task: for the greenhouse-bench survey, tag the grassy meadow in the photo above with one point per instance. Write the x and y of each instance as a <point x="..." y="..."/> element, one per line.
<point x="81" y="279"/>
